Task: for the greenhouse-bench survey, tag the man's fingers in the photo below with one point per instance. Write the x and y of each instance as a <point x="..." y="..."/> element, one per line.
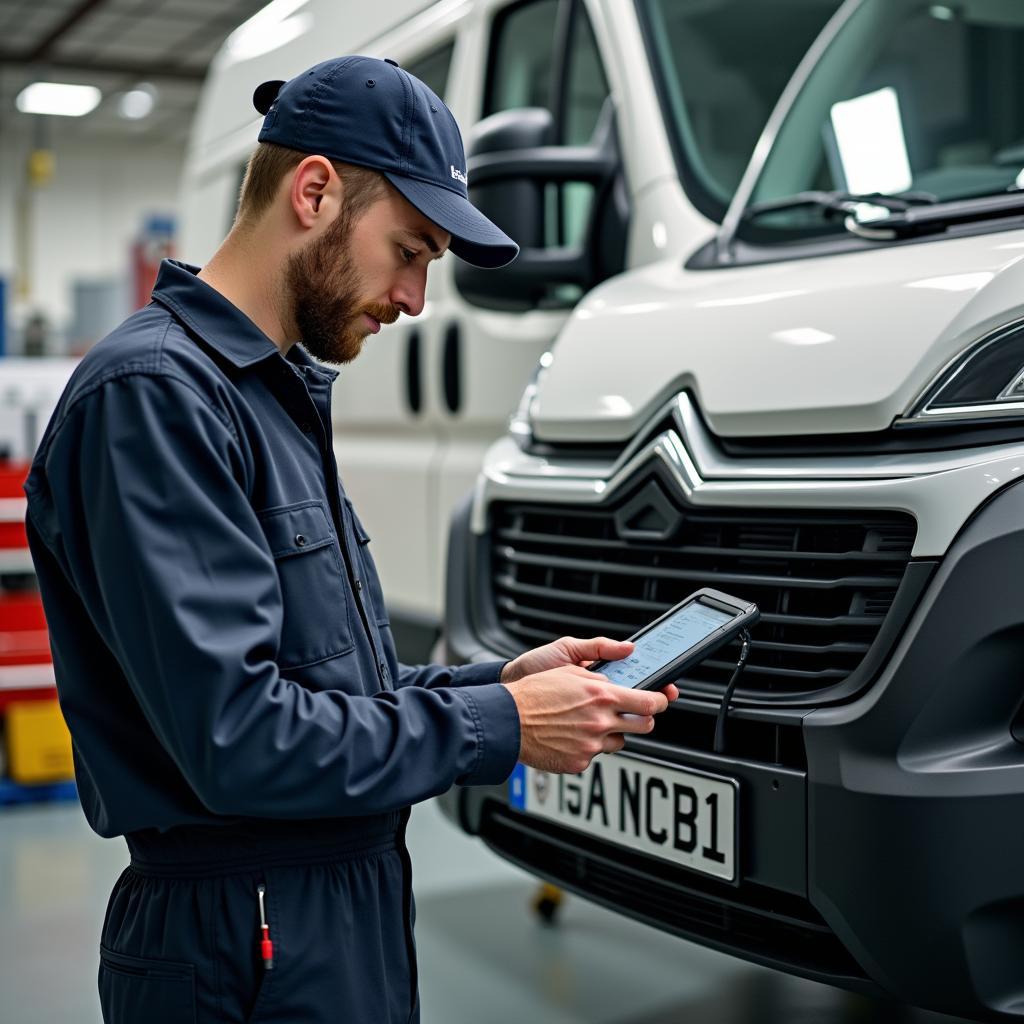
<point x="613" y="742"/>
<point x="612" y="650"/>
<point x="640" y="702"/>
<point x="598" y="648"/>
<point x="634" y="723"/>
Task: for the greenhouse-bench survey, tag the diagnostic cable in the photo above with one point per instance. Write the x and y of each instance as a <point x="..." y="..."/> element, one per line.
<point x="723" y="710"/>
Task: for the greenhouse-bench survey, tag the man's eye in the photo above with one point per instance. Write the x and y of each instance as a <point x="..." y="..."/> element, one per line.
<point x="408" y="255"/>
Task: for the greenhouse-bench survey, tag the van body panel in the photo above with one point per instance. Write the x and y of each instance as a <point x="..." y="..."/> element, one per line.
<point x="784" y="349"/>
<point x="664" y="223"/>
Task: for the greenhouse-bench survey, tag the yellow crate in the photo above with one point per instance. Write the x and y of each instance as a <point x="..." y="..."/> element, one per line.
<point x="38" y="743"/>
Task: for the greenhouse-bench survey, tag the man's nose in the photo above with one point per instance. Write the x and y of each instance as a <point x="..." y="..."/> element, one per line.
<point x="409" y="293"/>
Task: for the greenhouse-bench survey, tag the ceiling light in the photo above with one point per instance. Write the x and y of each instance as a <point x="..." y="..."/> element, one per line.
<point x="137" y="103"/>
<point x="58" y="98"/>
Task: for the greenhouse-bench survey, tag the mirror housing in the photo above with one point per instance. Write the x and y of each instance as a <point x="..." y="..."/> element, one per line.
<point x="510" y="164"/>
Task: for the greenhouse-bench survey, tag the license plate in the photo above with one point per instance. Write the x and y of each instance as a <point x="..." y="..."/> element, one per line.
<point x="682" y="816"/>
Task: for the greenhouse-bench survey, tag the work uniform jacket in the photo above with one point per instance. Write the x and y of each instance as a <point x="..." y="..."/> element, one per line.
<point x="220" y="640"/>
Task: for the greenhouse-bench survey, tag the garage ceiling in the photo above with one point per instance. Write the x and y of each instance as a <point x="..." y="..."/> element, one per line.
<point x="114" y="45"/>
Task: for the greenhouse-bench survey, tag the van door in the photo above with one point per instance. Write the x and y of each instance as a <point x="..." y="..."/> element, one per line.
<point x="541" y="53"/>
<point x="415" y="413"/>
<point x="387" y="427"/>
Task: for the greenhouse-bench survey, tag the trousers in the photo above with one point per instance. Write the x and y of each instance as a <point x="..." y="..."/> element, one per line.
<point x="182" y="941"/>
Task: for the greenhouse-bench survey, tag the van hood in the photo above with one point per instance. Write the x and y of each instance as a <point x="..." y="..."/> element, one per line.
<point x="834" y="344"/>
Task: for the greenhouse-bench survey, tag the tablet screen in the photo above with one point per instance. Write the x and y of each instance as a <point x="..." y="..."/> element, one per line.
<point x="666" y="642"/>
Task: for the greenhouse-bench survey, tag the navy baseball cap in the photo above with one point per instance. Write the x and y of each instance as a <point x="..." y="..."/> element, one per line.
<point x="370" y="112"/>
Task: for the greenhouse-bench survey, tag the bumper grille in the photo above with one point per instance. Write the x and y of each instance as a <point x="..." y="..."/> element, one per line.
<point x="769" y="927"/>
<point x="824" y="581"/>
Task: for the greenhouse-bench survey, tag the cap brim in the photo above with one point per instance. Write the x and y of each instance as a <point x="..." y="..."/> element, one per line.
<point x="475" y="239"/>
<point x="264" y="95"/>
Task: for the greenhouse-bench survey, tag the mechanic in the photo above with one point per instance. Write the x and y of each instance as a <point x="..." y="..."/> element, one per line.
<point x="219" y="635"/>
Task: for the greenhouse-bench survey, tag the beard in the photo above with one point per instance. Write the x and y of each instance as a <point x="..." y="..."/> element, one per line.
<point x="323" y="287"/>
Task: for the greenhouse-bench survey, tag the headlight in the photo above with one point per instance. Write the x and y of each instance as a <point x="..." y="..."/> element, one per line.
<point x="520" y="426"/>
<point x="985" y="382"/>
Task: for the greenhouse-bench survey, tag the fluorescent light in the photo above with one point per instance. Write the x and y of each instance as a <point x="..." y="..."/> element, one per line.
<point x="58" y="98"/>
<point x="872" y="149"/>
<point x="942" y="12"/>
<point x="137" y="103"/>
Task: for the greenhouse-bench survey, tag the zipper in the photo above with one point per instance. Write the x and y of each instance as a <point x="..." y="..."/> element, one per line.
<point x="266" y="944"/>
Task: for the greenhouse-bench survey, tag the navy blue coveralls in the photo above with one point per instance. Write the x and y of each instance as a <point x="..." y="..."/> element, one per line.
<point x="225" y="666"/>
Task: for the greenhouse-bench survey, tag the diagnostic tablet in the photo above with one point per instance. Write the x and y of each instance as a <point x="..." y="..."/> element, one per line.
<point x="679" y="639"/>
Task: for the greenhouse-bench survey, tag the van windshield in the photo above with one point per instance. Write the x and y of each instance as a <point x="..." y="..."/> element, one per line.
<point x="921" y="100"/>
<point x="720" y="66"/>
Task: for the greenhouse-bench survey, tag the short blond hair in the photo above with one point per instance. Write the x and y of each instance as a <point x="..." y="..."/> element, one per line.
<point x="270" y="162"/>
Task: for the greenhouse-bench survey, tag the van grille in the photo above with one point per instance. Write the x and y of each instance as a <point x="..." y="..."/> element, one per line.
<point x="824" y="581"/>
<point x="763" y="924"/>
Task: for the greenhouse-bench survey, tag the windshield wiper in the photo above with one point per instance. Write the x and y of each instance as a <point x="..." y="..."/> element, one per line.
<point x="938" y="217"/>
<point x="841" y="204"/>
<point x="910" y="213"/>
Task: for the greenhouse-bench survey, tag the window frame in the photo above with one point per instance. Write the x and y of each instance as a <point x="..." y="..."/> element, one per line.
<point x="566" y="16"/>
<point x="447" y="44"/>
<point x="558" y="98"/>
<point x="705" y="201"/>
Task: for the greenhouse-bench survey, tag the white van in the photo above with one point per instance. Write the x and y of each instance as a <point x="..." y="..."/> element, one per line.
<point x="821" y="410"/>
<point x="692" y="85"/>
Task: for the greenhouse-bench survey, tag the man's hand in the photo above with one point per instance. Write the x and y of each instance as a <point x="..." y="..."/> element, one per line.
<point x="568" y="715"/>
<point x="567" y="651"/>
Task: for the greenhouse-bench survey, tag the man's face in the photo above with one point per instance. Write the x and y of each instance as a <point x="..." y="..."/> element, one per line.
<point x="360" y="274"/>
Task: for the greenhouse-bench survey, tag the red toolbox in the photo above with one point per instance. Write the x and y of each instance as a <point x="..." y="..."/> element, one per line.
<point x="37" y="746"/>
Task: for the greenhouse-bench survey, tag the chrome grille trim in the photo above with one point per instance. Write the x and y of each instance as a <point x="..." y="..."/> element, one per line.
<point x="940" y="493"/>
<point x="824" y="581"/>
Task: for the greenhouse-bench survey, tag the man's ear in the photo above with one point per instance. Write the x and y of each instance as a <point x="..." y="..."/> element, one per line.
<point x="316" y="191"/>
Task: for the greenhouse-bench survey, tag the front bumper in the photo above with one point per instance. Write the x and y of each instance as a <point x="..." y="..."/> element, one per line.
<point x="882" y="839"/>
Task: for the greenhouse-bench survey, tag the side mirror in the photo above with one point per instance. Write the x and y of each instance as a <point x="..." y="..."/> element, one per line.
<point x="512" y="167"/>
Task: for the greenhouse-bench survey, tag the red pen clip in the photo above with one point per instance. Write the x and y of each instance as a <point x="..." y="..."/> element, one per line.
<point x="266" y="945"/>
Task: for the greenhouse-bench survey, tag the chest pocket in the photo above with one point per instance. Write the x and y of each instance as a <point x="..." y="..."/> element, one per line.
<point x="368" y="569"/>
<point x="317" y="610"/>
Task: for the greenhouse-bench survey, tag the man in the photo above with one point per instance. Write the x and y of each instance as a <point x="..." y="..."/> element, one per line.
<point x="219" y="634"/>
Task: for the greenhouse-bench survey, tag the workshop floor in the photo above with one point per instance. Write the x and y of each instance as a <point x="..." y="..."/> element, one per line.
<point x="483" y="954"/>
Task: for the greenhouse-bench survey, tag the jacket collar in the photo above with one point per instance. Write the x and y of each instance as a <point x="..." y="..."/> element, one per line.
<point x="220" y="323"/>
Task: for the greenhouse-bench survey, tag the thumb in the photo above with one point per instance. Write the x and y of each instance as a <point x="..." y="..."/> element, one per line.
<point x="601" y="648"/>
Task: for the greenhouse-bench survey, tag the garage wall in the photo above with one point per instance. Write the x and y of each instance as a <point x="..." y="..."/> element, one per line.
<point x="83" y="221"/>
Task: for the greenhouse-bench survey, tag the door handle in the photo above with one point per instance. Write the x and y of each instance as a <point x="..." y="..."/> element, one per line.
<point x="414" y="372"/>
<point x="452" y="368"/>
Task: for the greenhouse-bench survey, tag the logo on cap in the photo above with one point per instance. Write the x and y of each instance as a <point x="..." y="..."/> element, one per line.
<point x="458" y="175"/>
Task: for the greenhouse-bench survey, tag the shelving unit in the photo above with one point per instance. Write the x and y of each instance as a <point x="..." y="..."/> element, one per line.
<point x="26" y="667"/>
<point x="29" y="390"/>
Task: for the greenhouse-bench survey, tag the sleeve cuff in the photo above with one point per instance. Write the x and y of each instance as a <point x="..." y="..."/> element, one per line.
<point x="496" y="719"/>
<point x="483" y="674"/>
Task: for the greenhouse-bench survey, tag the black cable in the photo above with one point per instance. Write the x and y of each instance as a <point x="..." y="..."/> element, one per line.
<point x="723" y="709"/>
